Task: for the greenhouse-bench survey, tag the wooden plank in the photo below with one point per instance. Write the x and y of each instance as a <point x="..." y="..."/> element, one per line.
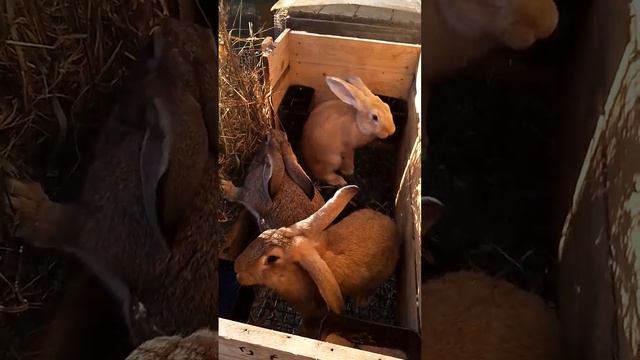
<point x="600" y="245"/>
<point x="305" y="10"/>
<point x="404" y="34"/>
<point x="242" y="341"/>
<point x="585" y="297"/>
<point x="277" y="67"/>
<point x="339" y="10"/>
<point x="407" y="216"/>
<point x="374" y="13"/>
<point x="622" y="138"/>
<point x="404" y="5"/>
<point x="368" y="54"/>
<point x="278" y="59"/>
<point x="404" y="17"/>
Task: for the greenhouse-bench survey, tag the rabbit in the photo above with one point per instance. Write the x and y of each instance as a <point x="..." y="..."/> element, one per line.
<point x="311" y="264"/>
<point x="493" y="320"/>
<point x="276" y="189"/>
<point x="201" y="345"/>
<point x="145" y="220"/>
<point x="460" y="32"/>
<point x="336" y="128"/>
<point x="196" y="71"/>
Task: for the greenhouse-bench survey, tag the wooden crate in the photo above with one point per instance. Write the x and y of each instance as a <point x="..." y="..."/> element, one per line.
<point x="304" y="58"/>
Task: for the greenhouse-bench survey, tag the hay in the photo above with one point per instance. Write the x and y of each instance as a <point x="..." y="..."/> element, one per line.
<point x="58" y="61"/>
<point x="244" y="106"/>
<point x="57" y="57"/>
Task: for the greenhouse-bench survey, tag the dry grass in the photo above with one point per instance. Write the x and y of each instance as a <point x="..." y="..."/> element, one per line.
<point x="58" y="60"/>
<point x="244" y="108"/>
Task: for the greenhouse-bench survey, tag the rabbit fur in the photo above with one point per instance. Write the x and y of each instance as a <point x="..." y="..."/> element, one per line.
<point x="335" y="128"/>
<point x="459" y="32"/>
<point x="311" y="265"/>
<point x="201" y="345"/>
<point x="145" y="222"/>
<point x="276" y="189"/>
<point x="493" y="320"/>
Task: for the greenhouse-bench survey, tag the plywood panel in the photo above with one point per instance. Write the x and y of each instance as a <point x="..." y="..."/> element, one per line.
<point x="243" y="341"/>
<point x="600" y="247"/>
<point x="407" y="216"/>
<point x="357" y="53"/>
<point x="383" y="83"/>
<point x="586" y="303"/>
<point x="412" y="5"/>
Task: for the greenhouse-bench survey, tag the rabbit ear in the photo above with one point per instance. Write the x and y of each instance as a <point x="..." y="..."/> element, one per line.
<point x="322" y="218"/>
<point x="431" y="212"/>
<point x="355" y="80"/>
<point x="317" y="268"/>
<point x="154" y="159"/>
<point x="295" y="171"/>
<point x="345" y="91"/>
<point x="267" y="173"/>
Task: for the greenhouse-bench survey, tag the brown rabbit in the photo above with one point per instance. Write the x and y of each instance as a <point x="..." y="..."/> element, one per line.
<point x="276" y="190"/>
<point x="194" y="48"/>
<point x="201" y="345"/>
<point x="311" y="264"/>
<point x="145" y="222"/>
<point x="336" y="128"/>
<point x="459" y="32"/>
<point x="492" y="320"/>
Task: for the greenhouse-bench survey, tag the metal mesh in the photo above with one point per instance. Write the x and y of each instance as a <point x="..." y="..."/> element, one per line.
<point x="271" y="311"/>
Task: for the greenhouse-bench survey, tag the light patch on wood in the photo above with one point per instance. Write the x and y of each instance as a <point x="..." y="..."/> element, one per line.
<point x="616" y="141"/>
<point x="243" y="341"/>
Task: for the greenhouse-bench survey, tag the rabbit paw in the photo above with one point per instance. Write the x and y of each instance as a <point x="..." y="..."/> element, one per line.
<point x="31" y="207"/>
<point x="336" y="180"/>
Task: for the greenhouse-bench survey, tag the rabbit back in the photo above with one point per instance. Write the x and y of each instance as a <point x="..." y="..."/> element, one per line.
<point x="330" y="130"/>
<point x="362" y="250"/>
<point x="291" y="205"/>
<point x="493" y="320"/>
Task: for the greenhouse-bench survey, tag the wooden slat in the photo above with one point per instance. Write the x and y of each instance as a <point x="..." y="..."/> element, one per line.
<point x="405" y="5"/>
<point x="408" y="175"/>
<point x="622" y="138"/>
<point x="357" y="53"/>
<point x="243" y="341"/>
<point x="339" y="10"/>
<point x="374" y="13"/>
<point x="278" y="59"/>
<point x="278" y="68"/>
<point x="383" y="83"/>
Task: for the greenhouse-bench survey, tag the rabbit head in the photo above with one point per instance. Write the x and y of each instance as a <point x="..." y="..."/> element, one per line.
<point x="514" y="23"/>
<point x="286" y="259"/>
<point x="269" y="172"/>
<point x="373" y="115"/>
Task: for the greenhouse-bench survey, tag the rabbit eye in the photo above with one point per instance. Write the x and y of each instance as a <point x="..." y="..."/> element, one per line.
<point x="271" y="259"/>
<point x="374" y="117"/>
